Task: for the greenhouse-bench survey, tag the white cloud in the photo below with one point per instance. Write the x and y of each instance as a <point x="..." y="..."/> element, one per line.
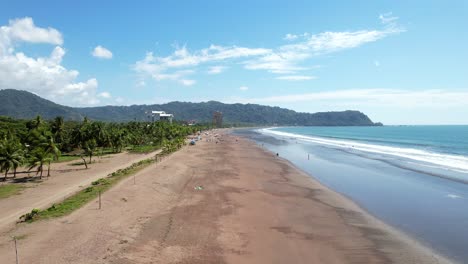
<point x="101" y="52"/>
<point x="333" y="41"/>
<point x="295" y="77"/>
<point x="216" y="69"/>
<point x="161" y="68"/>
<point x="24" y="30"/>
<point x="243" y="88"/>
<point x="285" y="59"/>
<point x="290" y="37"/>
<point x="106" y="95"/>
<point x="187" y="82"/>
<point x="280" y="62"/>
<point x="44" y="76"/>
<point x="377" y="97"/>
<point x="388" y="18"/>
<point x="57" y="55"/>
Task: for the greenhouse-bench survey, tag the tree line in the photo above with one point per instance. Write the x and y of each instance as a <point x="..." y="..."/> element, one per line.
<point x="36" y="143"/>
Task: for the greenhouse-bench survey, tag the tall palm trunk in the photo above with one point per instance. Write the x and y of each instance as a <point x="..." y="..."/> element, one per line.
<point x="6" y="174"/>
<point x="84" y="161"/>
<point x="48" y="170"/>
<point x="14" y="172"/>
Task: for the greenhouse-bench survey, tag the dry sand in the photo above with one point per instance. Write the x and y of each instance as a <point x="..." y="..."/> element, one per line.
<point x="65" y="179"/>
<point x="253" y="208"/>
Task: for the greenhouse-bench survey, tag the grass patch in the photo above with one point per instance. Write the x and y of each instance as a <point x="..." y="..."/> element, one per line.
<point x="81" y="163"/>
<point x="20" y="237"/>
<point x="66" y="158"/>
<point x="86" y="195"/>
<point x="7" y="190"/>
<point x="143" y="149"/>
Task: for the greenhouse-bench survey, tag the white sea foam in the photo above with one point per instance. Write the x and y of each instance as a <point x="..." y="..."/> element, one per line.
<point x="425" y="158"/>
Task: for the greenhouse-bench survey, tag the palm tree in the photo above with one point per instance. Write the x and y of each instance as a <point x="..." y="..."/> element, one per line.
<point x="89" y="147"/>
<point x="37" y="122"/>
<point x="38" y="158"/>
<point x="58" y="129"/>
<point x="51" y="148"/>
<point x="11" y="157"/>
<point x="117" y="137"/>
<point x="100" y="135"/>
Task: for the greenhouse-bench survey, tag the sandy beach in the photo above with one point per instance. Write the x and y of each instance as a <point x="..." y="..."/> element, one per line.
<point x="225" y="202"/>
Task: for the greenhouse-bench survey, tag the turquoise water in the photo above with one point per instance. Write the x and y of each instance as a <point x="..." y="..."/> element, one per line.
<point x="414" y="178"/>
<point x="437" y="150"/>
<point x="441" y="139"/>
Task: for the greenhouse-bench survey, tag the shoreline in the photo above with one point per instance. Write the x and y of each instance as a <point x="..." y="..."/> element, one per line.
<point x="393" y="232"/>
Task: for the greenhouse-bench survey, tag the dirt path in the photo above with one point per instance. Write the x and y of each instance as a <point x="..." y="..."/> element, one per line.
<point x="66" y="179"/>
<point x="251" y="208"/>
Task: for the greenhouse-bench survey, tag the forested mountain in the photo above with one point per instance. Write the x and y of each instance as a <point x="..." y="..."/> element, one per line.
<point x="26" y="105"/>
<point x="21" y="104"/>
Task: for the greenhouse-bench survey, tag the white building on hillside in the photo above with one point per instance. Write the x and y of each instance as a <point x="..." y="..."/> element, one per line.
<point x="160" y="116"/>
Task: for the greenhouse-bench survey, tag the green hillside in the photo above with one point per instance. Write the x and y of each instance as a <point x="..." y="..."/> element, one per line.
<point x="26" y="105"/>
<point x="21" y="104"/>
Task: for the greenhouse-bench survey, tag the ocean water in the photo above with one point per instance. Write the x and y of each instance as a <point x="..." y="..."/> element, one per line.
<point x="438" y="150"/>
<point x="414" y="178"/>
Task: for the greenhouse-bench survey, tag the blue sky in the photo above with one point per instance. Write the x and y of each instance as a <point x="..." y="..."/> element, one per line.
<point x="400" y="62"/>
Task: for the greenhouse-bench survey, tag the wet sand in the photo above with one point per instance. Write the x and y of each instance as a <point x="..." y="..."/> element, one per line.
<point x="250" y="207"/>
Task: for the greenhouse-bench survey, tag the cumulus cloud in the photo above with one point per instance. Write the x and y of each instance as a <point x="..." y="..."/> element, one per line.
<point x="102" y="53"/>
<point x="24" y="30"/>
<point x="44" y="76"/>
<point x="243" y="88"/>
<point x="285" y="59"/>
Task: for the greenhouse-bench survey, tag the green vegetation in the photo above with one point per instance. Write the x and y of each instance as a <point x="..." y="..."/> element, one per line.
<point x="21" y="104"/>
<point x="20" y="237"/>
<point x="38" y="143"/>
<point x="143" y="149"/>
<point x="99" y="186"/>
<point x="7" y="190"/>
<point x="66" y="158"/>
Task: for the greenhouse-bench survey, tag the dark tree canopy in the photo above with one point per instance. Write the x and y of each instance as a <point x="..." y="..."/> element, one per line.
<point x="25" y="105"/>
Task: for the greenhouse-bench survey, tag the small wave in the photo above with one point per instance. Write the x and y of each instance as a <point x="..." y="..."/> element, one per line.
<point x="443" y="161"/>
